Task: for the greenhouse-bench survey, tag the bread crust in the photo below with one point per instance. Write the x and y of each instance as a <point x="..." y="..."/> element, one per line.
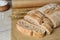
<point x="34" y="31"/>
<point x="47" y="28"/>
<point x="50" y="12"/>
<point x="33" y="19"/>
<point x="25" y="31"/>
<point x="37" y="13"/>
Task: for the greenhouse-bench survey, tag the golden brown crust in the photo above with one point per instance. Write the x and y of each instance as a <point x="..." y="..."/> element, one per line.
<point x="46" y="20"/>
<point x="37" y="34"/>
<point x="37" y="13"/>
<point x="25" y="31"/>
<point x="47" y="27"/>
<point x="33" y="19"/>
<point x="30" y="29"/>
<point x="29" y="32"/>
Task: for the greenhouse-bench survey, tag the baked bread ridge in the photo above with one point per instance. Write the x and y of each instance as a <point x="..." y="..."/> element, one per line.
<point x="54" y="17"/>
<point x="46" y="20"/>
<point x="36" y="30"/>
<point x="33" y="19"/>
<point x="37" y="13"/>
<point x="40" y="15"/>
<point x="48" y="10"/>
<point x="51" y="6"/>
<point x="47" y="28"/>
<point x="24" y="31"/>
<point x="34" y="15"/>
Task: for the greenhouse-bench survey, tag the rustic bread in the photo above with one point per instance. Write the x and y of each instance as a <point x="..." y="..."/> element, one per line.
<point x="41" y="20"/>
<point x="51" y="6"/>
<point x="24" y="30"/>
<point x="47" y="28"/>
<point x="50" y="12"/>
<point x="33" y="19"/>
<point x="33" y="28"/>
<point x="37" y="13"/>
<point x="54" y="17"/>
<point x="46" y="20"/>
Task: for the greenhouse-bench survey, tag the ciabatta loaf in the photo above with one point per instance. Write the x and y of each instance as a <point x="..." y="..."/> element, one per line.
<point x="30" y="28"/>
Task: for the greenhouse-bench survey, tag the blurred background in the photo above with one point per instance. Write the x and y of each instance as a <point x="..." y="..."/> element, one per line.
<point x="5" y="24"/>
